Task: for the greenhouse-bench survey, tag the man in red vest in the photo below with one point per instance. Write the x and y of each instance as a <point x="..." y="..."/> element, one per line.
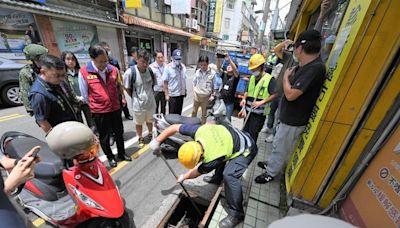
<point x="101" y="89"/>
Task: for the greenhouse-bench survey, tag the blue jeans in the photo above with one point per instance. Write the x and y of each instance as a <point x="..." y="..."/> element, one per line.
<point x="229" y="111"/>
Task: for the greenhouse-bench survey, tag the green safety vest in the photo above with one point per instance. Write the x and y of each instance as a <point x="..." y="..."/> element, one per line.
<point x="217" y="142"/>
<point x="258" y="92"/>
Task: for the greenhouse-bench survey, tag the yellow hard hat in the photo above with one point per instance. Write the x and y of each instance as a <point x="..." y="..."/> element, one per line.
<point x="189" y="154"/>
<point x="255" y="61"/>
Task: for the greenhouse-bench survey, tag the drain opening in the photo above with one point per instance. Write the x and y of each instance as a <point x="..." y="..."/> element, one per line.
<point x="184" y="214"/>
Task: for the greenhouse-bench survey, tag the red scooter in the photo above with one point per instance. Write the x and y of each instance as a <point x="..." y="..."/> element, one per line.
<point x="78" y="193"/>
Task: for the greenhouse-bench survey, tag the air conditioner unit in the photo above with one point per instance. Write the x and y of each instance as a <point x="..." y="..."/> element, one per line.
<point x="198" y="27"/>
<point x="187" y="23"/>
<point x="194" y="24"/>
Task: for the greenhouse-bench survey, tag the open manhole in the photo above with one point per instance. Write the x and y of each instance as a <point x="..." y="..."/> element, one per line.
<point x="185" y="215"/>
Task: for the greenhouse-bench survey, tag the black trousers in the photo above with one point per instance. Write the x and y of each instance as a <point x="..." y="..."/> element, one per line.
<point x="254" y="125"/>
<point x="107" y="124"/>
<point x="175" y="105"/>
<point x="160" y="102"/>
<point x="126" y="111"/>
<point x="271" y="115"/>
<point x="88" y="116"/>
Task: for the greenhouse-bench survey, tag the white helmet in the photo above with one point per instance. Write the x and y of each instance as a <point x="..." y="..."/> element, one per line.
<point x="70" y="139"/>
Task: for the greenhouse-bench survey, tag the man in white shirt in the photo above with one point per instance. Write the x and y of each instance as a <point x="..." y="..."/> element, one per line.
<point x="138" y="83"/>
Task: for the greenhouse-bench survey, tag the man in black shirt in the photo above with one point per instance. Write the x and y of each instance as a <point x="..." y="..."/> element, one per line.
<point x="301" y="88"/>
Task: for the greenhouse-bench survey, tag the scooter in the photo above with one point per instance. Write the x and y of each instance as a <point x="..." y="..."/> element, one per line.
<point x="216" y="111"/>
<point x="65" y="193"/>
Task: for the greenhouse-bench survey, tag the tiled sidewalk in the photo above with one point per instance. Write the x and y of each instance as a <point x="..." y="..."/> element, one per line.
<point x="262" y="201"/>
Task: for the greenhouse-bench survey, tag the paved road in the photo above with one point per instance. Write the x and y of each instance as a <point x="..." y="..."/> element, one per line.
<point x="145" y="183"/>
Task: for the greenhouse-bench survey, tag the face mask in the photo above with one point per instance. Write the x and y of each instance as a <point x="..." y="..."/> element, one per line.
<point x="178" y="62"/>
<point x="295" y="58"/>
<point x="256" y="74"/>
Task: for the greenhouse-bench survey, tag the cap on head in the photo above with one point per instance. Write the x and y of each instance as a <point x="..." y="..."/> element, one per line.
<point x="177" y="54"/>
<point x="34" y="50"/>
<point x="189" y="154"/>
<point x="70" y="139"/>
<point x="255" y="61"/>
<point x="308" y="35"/>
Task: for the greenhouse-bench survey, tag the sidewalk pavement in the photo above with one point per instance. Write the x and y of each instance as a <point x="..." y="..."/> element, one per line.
<point x="263" y="203"/>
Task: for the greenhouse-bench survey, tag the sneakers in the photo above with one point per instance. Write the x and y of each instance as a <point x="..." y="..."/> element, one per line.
<point x="141" y="142"/>
<point x="229" y="222"/>
<point x="263" y="178"/>
<point x="262" y="165"/>
<point x="269" y="139"/>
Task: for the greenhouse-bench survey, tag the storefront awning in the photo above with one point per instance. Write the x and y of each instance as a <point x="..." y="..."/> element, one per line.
<point x="132" y="20"/>
<point x="59" y="12"/>
<point x="196" y="38"/>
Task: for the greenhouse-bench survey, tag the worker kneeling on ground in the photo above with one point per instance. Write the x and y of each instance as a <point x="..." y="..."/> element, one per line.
<point x="221" y="147"/>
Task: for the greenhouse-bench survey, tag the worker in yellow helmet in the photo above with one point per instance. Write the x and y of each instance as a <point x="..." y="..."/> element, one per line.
<point x="260" y="92"/>
<point x="212" y="148"/>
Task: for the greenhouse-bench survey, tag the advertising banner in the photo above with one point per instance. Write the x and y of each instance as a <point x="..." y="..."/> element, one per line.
<point x="75" y="37"/>
<point x="375" y="200"/>
<point x="17" y="29"/>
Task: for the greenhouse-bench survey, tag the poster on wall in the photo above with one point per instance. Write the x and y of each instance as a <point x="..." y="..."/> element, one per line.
<point x="75" y="37"/>
<point x="17" y="29"/>
<point x="375" y="199"/>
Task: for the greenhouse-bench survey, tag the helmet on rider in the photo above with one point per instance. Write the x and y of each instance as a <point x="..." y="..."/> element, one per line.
<point x="73" y="140"/>
<point x="255" y="61"/>
<point x="189" y="154"/>
<point x="34" y="51"/>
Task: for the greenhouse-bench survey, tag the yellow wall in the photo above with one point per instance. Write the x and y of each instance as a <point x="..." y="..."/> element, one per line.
<point x="360" y="69"/>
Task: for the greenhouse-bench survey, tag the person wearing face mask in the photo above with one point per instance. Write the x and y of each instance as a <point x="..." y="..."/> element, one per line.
<point x="203" y="88"/>
<point x="260" y="92"/>
<point x="301" y="89"/>
<point x="174" y="77"/>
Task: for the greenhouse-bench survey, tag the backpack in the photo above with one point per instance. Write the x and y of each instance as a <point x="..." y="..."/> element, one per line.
<point x="133" y="79"/>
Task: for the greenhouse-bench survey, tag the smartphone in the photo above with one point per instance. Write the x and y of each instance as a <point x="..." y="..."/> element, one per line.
<point x="35" y="154"/>
<point x="220" y="55"/>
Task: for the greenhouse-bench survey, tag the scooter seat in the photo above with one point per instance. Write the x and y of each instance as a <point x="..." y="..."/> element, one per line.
<point x="178" y="119"/>
<point x="50" y="165"/>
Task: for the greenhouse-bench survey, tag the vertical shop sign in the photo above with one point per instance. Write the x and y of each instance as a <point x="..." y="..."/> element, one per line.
<point x="211" y="15"/>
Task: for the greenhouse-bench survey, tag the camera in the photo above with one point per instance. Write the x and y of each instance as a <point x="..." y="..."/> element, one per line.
<point x="220" y="55"/>
<point x="290" y="47"/>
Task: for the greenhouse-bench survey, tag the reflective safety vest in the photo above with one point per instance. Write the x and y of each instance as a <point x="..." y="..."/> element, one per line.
<point x="258" y="92"/>
<point x="217" y="142"/>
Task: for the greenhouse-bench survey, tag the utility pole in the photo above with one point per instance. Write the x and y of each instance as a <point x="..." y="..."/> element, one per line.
<point x="264" y="24"/>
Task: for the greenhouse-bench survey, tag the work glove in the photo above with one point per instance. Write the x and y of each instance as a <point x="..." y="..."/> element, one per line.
<point x="180" y="179"/>
<point x="154" y="145"/>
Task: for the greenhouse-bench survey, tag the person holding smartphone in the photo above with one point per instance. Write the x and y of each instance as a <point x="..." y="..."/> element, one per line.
<point x="22" y="170"/>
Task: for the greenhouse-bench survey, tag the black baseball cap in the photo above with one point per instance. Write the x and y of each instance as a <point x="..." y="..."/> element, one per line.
<point x="308" y="35"/>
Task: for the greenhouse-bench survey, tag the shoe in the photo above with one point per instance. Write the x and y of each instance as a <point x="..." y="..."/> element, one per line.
<point x="212" y="180"/>
<point x="124" y="158"/>
<point x="129" y="117"/>
<point x="112" y="140"/>
<point x="229" y="222"/>
<point x="141" y="142"/>
<point x="263" y="178"/>
<point x="269" y="139"/>
<point x="262" y="165"/>
<point x="112" y="162"/>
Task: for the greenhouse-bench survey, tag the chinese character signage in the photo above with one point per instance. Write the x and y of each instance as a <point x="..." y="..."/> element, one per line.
<point x="375" y="200"/>
<point x="17" y="29"/>
<point x="75" y="37"/>
<point x="211" y="15"/>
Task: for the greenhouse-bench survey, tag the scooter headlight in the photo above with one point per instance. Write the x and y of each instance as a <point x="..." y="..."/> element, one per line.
<point x="85" y="199"/>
